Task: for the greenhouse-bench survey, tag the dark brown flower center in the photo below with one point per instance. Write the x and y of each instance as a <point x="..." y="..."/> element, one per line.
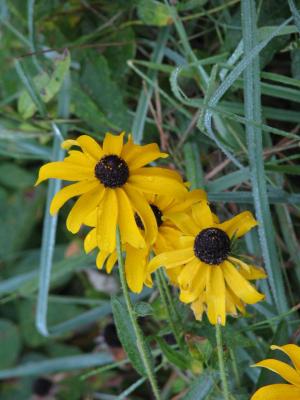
<point x="112" y="171"/>
<point x="212" y="246"/>
<point x="157" y="213"/>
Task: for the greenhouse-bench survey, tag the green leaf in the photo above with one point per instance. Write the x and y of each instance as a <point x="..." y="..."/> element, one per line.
<point x="296" y="64"/>
<point x="27" y="310"/>
<point x="19" y="213"/>
<point x="173" y="356"/>
<point x="86" y="109"/>
<point x="152" y="12"/>
<point x="142" y="309"/>
<point x="96" y="80"/>
<point x="201" y="387"/>
<point x="284" y="169"/>
<point x="10" y="343"/>
<point x="15" y="177"/>
<point x="127" y="335"/>
<point x="46" y="85"/>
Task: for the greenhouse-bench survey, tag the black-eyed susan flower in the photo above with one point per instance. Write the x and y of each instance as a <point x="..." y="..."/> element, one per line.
<point x="209" y="272"/>
<point x="112" y="179"/>
<point x="136" y="260"/>
<point x="282" y="391"/>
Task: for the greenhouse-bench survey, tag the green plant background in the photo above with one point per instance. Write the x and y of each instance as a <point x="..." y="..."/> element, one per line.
<point x="217" y="85"/>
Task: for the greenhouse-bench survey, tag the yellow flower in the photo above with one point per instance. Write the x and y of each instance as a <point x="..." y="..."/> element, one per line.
<point x="282" y="391"/>
<point x="209" y="272"/>
<point x="136" y="260"/>
<point x="112" y="181"/>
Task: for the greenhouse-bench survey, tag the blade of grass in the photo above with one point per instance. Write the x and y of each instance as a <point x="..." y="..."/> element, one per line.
<point x="193" y="167"/>
<point x="57" y="365"/>
<point x="143" y="102"/>
<point x="252" y="98"/>
<point x="50" y="223"/>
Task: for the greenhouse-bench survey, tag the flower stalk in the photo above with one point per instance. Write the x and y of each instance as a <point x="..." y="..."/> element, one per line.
<point x="221" y="362"/>
<point x="168" y="304"/>
<point x="136" y="328"/>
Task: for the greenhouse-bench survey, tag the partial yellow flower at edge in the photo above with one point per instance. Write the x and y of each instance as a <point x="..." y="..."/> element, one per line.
<point x="207" y="270"/>
<point x="112" y="180"/>
<point x="282" y="391"/>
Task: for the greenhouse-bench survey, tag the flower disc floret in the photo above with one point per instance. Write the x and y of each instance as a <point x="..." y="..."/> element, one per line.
<point x="112" y="171"/>
<point x="212" y="246"/>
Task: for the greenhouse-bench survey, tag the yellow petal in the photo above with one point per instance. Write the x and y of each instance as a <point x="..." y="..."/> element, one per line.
<point x="141" y="206"/>
<point x="163" y="184"/>
<point x="215" y="296"/>
<point x="101" y="257"/>
<point x="83" y="207"/>
<point x="90" y="241"/>
<point x="65" y="171"/>
<point x="80" y="159"/>
<point x="277" y="392"/>
<point x="158" y="171"/>
<point x="188" y="273"/>
<point x="138" y="156"/>
<point x="171" y="259"/>
<point x="130" y="232"/>
<point x="70" y="191"/>
<point x="284" y="370"/>
<point x="90" y="146"/>
<point x="135" y="268"/>
<point x="185" y="223"/>
<point x="67" y="144"/>
<point x="162" y="202"/>
<point x="113" y="144"/>
<point x="249" y="272"/>
<point x="292" y="351"/>
<point x="198" y="307"/>
<point x="230" y="304"/>
<point x="112" y="259"/>
<point x="233" y="301"/>
<point x="161" y="245"/>
<point x="239" y="225"/>
<point x="107" y="221"/>
<point x="197" y="285"/>
<point x="168" y="236"/>
<point x="91" y="219"/>
<point x="239" y="285"/>
<point x="202" y="215"/>
<point x="191" y="198"/>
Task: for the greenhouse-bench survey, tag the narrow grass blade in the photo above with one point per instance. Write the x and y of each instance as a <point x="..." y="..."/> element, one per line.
<point x="50" y="223"/>
<point x="193" y="167"/>
<point x="252" y="96"/>
<point x="57" y="365"/>
<point x="143" y="102"/>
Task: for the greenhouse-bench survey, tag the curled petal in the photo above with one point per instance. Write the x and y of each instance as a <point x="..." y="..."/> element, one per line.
<point x="238" y="225"/>
<point x="239" y="285"/>
<point x="284" y="370"/>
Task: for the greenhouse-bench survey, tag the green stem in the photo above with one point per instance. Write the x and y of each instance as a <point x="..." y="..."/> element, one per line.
<point x="169" y="297"/>
<point x="169" y="306"/>
<point x="221" y="362"/>
<point x="235" y="367"/>
<point x="136" y="328"/>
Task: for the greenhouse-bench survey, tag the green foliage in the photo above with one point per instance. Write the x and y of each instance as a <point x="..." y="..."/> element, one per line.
<point x="206" y="83"/>
<point x="47" y="86"/>
<point x="152" y="12"/>
<point x="127" y="335"/>
<point x="10" y="343"/>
